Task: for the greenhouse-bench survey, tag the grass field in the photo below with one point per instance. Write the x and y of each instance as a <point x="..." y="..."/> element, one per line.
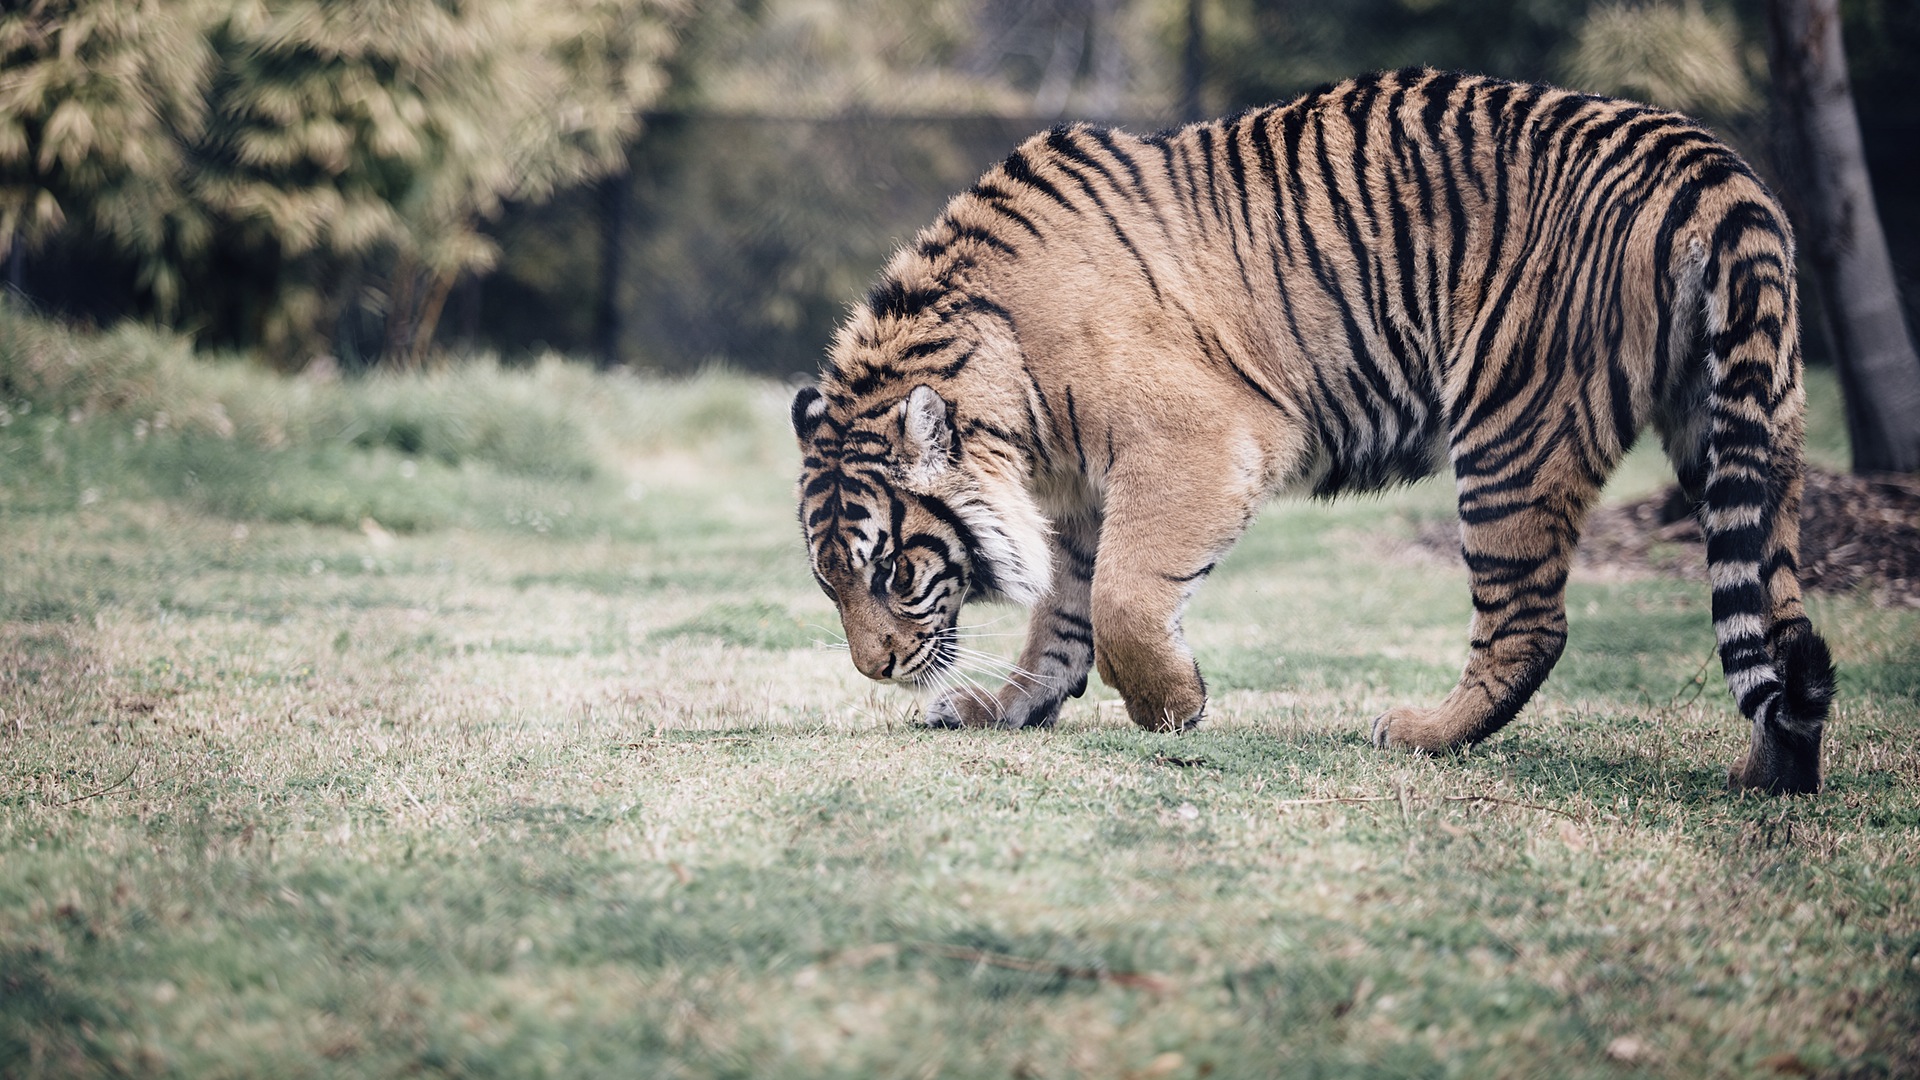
<point x="479" y="724"/>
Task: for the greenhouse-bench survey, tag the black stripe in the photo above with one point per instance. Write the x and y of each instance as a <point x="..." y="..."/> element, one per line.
<point x="892" y="297"/>
<point x="982" y="236"/>
<point x="1195" y="576"/>
<point x="993" y="197"/>
<point x="976" y="303"/>
<point x="956" y="365"/>
<point x="1216" y="350"/>
<point x="1119" y="233"/>
<point x="982" y="571"/>
<point x="1073" y="422"/>
<point x="924" y="348"/>
<point x="1205" y="134"/>
<point x="1104" y="136"/>
<point x="1020" y="171"/>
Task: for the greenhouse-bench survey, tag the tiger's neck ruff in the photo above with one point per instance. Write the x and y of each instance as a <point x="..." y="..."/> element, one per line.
<point x="1078" y="386"/>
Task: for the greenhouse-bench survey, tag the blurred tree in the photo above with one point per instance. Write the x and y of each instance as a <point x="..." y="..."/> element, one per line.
<point x="804" y="58"/>
<point x="745" y="237"/>
<point x="359" y="146"/>
<point x="98" y="99"/>
<point x="1059" y="52"/>
<point x="1028" y="58"/>
<point x="325" y="165"/>
<point x="1823" y="162"/>
<point x="1676" y="55"/>
<point x="1882" y="38"/>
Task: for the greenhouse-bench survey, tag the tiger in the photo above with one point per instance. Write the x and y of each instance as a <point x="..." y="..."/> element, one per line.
<point x="1076" y="388"/>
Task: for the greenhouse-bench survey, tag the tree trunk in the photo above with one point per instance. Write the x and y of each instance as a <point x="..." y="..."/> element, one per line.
<point x="396" y="350"/>
<point x="17" y="266"/>
<point x="609" y="325"/>
<point x="1193" y="65"/>
<point x="428" y="321"/>
<point x="1820" y="158"/>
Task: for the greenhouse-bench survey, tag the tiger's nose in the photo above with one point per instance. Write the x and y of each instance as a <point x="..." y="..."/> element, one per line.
<point x="875" y="661"/>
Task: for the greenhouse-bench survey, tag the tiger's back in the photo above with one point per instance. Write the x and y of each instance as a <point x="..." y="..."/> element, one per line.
<point x="1127" y="344"/>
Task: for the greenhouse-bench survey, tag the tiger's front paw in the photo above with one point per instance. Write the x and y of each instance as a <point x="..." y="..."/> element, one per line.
<point x="1177" y="713"/>
<point x="958" y="709"/>
<point x="1031" y="711"/>
<point x="971" y="708"/>
<point x="1406" y="728"/>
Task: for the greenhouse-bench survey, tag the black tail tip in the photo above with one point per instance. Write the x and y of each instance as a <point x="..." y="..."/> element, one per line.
<point x="1806" y="665"/>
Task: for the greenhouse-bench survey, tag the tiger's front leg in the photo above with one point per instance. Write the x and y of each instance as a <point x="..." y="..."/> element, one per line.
<point x="1166" y="527"/>
<point x="1058" y="653"/>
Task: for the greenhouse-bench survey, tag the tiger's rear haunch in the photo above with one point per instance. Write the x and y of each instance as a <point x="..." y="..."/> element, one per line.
<point x="1080" y="383"/>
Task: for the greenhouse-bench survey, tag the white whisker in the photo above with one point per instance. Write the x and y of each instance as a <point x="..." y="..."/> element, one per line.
<point x="1002" y="667"/>
<point x="989" y="622"/>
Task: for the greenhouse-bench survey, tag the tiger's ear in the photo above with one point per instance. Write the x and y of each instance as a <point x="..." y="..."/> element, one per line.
<point x="809" y="408"/>
<point x="927" y="441"/>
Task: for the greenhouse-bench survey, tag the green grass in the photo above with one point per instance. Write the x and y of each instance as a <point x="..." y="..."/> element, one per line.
<point x="329" y="754"/>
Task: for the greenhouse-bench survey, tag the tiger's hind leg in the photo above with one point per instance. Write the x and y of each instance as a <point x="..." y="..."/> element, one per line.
<point x="1058" y="653"/>
<point x="1784" y="754"/>
<point x="1518" y="544"/>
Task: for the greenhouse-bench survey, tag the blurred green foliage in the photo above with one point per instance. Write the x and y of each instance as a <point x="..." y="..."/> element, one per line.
<point x="309" y="176"/>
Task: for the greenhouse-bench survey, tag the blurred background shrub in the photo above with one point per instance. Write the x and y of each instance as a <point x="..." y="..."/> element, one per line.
<point x="542" y="445"/>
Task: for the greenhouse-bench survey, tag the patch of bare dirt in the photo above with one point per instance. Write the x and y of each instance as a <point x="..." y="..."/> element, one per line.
<point x="1855" y="532"/>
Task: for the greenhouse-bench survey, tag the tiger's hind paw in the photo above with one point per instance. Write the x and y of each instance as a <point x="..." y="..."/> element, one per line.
<point x="1772" y="771"/>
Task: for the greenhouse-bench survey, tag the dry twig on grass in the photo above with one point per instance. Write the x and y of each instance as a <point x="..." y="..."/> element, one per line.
<point x="1132" y="980"/>
<point x="1513" y="802"/>
<point x="105" y="790"/>
<point x="1343" y="799"/>
<point x="1332" y="799"/>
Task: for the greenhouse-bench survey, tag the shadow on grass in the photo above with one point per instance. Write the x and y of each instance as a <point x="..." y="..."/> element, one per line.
<point x="1257" y="668"/>
<point x="41" y="1022"/>
<point x="1237" y="753"/>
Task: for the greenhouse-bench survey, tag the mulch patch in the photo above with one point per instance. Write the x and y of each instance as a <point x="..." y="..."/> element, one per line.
<point x="1855" y="532"/>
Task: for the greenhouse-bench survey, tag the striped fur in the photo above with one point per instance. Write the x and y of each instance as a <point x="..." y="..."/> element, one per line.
<point x="1077" y="387"/>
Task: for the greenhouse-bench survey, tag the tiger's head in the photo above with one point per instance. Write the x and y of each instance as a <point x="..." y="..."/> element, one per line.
<point x="904" y="524"/>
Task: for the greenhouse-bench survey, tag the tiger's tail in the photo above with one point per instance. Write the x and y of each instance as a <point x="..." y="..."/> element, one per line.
<point x="1779" y="670"/>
